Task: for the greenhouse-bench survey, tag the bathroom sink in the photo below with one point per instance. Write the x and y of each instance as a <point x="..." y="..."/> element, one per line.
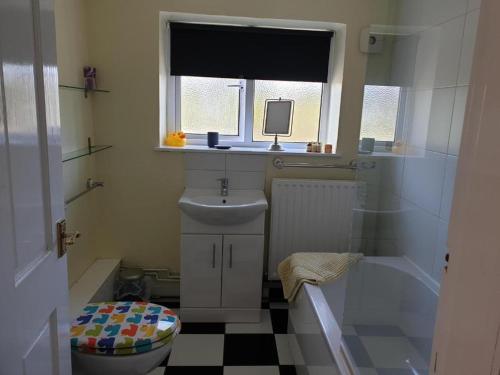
<point x="209" y="207"/>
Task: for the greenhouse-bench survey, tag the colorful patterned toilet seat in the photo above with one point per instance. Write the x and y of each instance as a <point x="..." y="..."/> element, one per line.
<point x="122" y="328"/>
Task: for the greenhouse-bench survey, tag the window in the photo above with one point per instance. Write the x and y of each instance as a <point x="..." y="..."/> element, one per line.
<point x="235" y="108"/>
<point x="210" y="87"/>
<point x="380" y="113"/>
<point x="306" y="112"/>
<point x="209" y="104"/>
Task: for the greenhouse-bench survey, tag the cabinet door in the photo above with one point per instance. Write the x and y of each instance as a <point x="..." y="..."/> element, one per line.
<point x="201" y="261"/>
<point x="242" y="271"/>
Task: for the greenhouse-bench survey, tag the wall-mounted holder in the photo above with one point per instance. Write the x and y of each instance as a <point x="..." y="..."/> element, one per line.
<point x="91" y="185"/>
<point x="89" y="150"/>
<point x="84" y="89"/>
<point x="353" y="165"/>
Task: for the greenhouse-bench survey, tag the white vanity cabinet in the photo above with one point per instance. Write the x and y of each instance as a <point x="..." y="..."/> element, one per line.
<point x="221" y="277"/>
<point x="201" y="267"/>
<point x="242" y="263"/>
<point x="222" y="255"/>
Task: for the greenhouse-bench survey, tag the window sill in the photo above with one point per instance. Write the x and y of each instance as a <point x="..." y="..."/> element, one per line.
<point x="244" y="150"/>
<point x="379" y="154"/>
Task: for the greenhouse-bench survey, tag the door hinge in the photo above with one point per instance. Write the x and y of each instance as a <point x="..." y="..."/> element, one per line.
<point x="435" y="361"/>
<point x="64" y="239"/>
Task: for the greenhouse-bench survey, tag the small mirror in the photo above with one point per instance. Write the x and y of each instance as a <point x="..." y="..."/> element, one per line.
<point x="278" y="116"/>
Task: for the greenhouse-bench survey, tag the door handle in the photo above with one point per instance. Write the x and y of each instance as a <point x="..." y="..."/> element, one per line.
<point x="213" y="256"/>
<point x="64" y="238"/>
<point x="231" y="256"/>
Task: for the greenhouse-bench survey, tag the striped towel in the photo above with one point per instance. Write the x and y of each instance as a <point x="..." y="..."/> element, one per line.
<point x="313" y="268"/>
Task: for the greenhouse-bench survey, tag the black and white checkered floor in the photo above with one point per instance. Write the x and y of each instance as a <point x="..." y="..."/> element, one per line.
<point x="263" y="348"/>
<point x="233" y="348"/>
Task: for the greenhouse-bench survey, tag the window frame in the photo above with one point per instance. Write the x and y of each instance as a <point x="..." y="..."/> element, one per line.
<point x="246" y="118"/>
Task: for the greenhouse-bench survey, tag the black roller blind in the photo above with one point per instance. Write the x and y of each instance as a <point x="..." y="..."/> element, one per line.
<point x="249" y="52"/>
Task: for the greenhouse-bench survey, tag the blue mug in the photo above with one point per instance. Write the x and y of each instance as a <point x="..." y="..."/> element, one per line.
<point x="212" y="139"/>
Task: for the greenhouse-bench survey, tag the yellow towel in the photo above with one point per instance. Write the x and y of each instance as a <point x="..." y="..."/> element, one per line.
<point x="313" y="268"/>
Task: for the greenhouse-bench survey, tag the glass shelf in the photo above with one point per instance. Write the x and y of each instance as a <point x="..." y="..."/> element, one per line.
<point x="83" y="152"/>
<point x="84" y="89"/>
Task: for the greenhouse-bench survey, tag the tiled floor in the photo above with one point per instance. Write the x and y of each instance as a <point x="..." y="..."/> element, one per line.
<point x="233" y="348"/>
<point x="385" y="350"/>
<point x="263" y="348"/>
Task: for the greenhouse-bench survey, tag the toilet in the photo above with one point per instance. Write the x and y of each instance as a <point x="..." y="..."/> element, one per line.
<point x="122" y="338"/>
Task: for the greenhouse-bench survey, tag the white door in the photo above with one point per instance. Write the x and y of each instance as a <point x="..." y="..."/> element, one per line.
<point x="242" y="271"/>
<point x="33" y="279"/>
<point x="468" y="325"/>
<point x="201" y="258"/>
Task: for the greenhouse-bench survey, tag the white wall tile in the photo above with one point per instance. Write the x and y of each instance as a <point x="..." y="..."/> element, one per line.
<point x="438" y="55"/>
<point x="468" y="45"/>
<point x="240" y="180"/>
<point x="474" y="4"/>
<point x="357" y="224"/>
<point x="198" y="179"/>
<point x="427" y="58"/>
<point x="419" y="235"/>
<point x="423" y="179"/>
<point x="418" y="107"/>
<point x="387" y="248"/>
<point x="440" y="120"/>
<point x="410" y="13"/>
<point x="448" y="187"/>
<point x="389" y="200"/>
<point x="436" y="12"/>
<point x="253" y="163"/>
<point x="429" y="12"/>
<point x="450" y="40"/>
<point x="403" y="60"/>
<point x="441" y="250"/>
<point x="391" y="174"/>
<point x="204" y="161"/>
<point x="458" y="120"/>
<point x="388" y="225"/>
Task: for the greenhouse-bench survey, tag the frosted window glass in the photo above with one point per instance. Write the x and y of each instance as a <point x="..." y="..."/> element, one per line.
<point x="380" y="112"/>
<point x="208" y="104"/>
<point x="306" y="113"/>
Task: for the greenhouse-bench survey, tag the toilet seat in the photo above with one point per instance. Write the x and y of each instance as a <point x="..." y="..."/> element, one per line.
<point x="123" y="328"/>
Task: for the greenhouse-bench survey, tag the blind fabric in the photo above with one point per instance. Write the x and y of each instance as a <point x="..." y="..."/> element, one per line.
<point x="249" y="52"/>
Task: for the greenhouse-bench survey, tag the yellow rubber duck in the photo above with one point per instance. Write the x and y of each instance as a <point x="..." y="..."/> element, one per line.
<point x="176" y="139"/>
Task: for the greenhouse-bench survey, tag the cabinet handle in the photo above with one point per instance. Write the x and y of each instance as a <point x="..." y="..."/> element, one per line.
<point x="213" y="256"/>
<point x="230" y="256"/>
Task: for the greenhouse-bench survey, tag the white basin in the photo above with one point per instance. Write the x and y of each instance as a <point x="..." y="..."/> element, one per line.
<point x="209" y="207"/>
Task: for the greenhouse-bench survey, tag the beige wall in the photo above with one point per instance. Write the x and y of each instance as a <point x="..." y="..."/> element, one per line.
<point x="137" y="217"/>
<point x="76" y="126"/>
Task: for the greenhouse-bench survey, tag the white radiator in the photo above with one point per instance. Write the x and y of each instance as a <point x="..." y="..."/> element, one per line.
<point x="310" y="216"/>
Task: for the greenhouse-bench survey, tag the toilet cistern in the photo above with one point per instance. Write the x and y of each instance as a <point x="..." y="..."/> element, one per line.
<point x="224" y="186"/>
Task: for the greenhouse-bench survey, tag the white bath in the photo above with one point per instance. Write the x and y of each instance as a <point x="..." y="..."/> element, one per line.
<point x="377" y="319"/>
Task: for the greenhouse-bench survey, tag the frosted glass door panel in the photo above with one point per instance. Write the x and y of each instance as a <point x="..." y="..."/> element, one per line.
<point x="210" y="104"/>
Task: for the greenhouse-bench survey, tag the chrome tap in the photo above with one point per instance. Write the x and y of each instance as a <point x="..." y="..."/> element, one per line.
<point x="224" y="186"/>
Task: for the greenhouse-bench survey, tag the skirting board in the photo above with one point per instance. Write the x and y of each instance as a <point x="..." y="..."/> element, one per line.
<point x="96" y="285"/>
<point x="220" y="315"/>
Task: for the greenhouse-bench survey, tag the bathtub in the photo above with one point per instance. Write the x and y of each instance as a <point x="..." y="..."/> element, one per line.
<point x="377" y="319"/>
